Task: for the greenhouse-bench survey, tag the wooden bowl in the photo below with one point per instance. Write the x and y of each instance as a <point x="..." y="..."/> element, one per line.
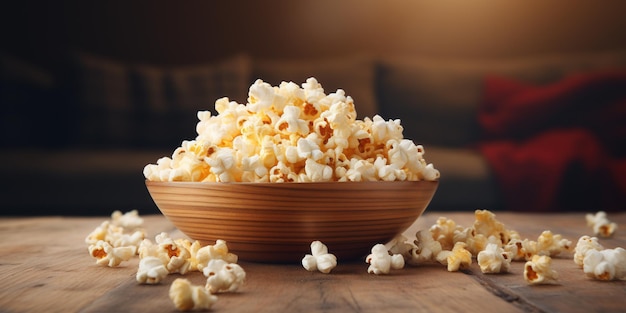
<point x="276" y="222"/>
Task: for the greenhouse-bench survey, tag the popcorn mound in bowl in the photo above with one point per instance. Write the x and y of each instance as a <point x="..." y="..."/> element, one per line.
<point x="289" y="133"/>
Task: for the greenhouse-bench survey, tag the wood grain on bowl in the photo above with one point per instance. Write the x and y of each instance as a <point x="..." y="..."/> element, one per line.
<point x="276" y="222"/>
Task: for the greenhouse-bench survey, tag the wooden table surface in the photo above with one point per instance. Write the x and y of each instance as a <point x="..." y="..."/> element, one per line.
<point x="45" y="267"/>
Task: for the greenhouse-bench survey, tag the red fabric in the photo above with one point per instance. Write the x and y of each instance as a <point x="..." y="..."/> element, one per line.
<point x="558" y="147"/>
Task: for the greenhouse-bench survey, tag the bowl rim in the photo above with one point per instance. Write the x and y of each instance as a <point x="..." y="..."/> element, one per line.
<point x="317" y="183"/>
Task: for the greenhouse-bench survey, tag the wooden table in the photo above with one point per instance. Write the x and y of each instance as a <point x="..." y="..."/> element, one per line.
<point x="45" y="267"/>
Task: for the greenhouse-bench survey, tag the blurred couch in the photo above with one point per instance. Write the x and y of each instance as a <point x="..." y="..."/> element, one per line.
<point x="76" y="143"/>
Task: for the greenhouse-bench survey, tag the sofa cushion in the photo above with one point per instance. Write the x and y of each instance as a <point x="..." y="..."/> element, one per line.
<point x="104" y="101"/>
<point x="466" y="181"/>
<point x="29" y="98"/>
<point x="144" y="105"/>
<point x="195" y="88"/>
<point x="76" y="181"/>
<point x="353" y="74"/>
<point x="437" y="98"/>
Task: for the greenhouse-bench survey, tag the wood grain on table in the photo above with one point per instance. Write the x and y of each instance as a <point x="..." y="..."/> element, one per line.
<point x="45" y="267"/>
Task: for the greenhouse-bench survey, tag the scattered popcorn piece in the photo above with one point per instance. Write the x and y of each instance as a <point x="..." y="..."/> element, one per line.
<point x="520" y="249"/>
<point x="474" y="241"/>
<point x="187" y="297"/>
<point x="601" y="224"/>
<point x="486" y="224"/>
<point x="539" y="270"/>
<point x="381" y="262"/>
<point x="127" y="240"/>
<point x="426" y="248"/>
<point x="551" y="244"/>
<point x="114" y="231"/>
<point x="151" y="271"/>
<point x="223" y="276"/>
<point x="193" y="248"/>
<point x="175" y="257"/>
<point x="107" y="255"/>
<point x="444" y="231"/>
<point x="584" y="245"/>
<point x="400" y="245"/>
<point x="102" y="232"/>
<point x="494" y="260"/>
<point x="129" y="220"/>
<point x="457" y="259"/>
<point x="607" y="264"/>
<point x="213" y="252"/>
<point x="319" y="259"/>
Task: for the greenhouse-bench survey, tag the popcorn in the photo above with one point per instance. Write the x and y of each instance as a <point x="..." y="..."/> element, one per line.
<point x="102" y="232"/>
<point x="107" y="255"/>
<point x="218" y="251"/>
<point x="289" y="133"/>
<point x="598" y="262"/>
<point x="426" y="248"/>
<point x="115" y="236"/>
<point x="223" y="276"/>
<point x="539" y="270"/>
<point x="290" y="122"/>
<point x="584" y="245"/>
<point x="601" y="224"/>
<point x="399" y="245"/>
<point x="494" y="259"/>
<point x="175" y="257"/>
<point x="317" y="172"/>
<point x="521" y="249"/>
<point x="151" y="271"/>
<point x="551" y="244"/>
<point x="487" y="225"/>
<point x="187" y="297"/>
<point x="384" y="131"/>
<point x="319" y="259"/>
<point x="114" y="232"/>
<point x="474" y="241"/>
<point x="128" y="220"/>
<point x="360" y="170"/>
<point x="110" y="244"/>
<point x="381" y="262"/>
<point x="457" y="259"/>
<point x="607" y="264"/>
<point x="444" y="231"/>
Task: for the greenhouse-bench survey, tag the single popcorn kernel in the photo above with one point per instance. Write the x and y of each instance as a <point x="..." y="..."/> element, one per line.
<point x="493" y="260"/>
<point x="187" y="297"/>
<point x="381" y="262"/>
<point x="129" y="220"/>
<point x="583" y="246"/>
<point x="601" y="224"/>
<point x="319" y="259"/>
<point x="444" y="230"/>
<point x="151" y="271"/>
<point x="175" y="257"/>
<point x="223" y="276"/>
<point x="539" y="270"/>
<point x="426" y="248"/>
<point x="607" y="264"/>
<point x="107" y="255"/>
<point x="457" y="259"/>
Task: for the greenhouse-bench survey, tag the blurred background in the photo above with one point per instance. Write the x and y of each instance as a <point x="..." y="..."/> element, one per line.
<point x="93" y="91"/>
